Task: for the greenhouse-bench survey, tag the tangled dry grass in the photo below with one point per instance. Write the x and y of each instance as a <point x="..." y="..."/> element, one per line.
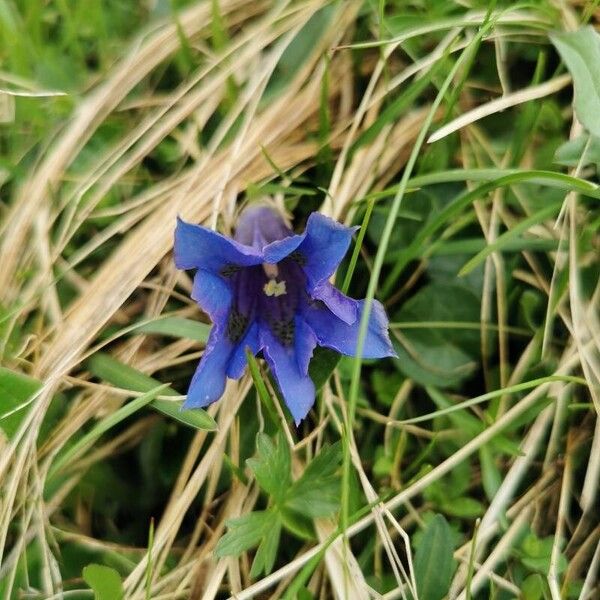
<point x="79" y="273"/>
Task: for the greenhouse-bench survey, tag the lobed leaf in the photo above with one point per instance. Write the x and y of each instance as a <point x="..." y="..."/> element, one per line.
<point x="245" y="532"/>
<point x="272" y="466"/>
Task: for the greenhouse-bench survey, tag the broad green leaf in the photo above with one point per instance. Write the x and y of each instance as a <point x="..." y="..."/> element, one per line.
<point x="322" y="365"/>
<point x="580" y="51"/>
<point x="441" y="357"/>
<point x="176" y="327"/>
<point x="16" y="390"/>
<point x="571" y="152"/>
<point x="267" y="550"/>
<point x="316" y="501"/>
<point x="104" y="581"/>
<point x="272" y="466"/>
<point x="298" y="524"/>
<point x="115" y="372"/>
<point x="317" y="492"/>
<point x="537" y="554"/>
<point x="463" y="507"/>
<point x="533" y="587"/>
<point x="434" y="563"/>
<point x="245" y="532"/>
<point x="386" y="386"/>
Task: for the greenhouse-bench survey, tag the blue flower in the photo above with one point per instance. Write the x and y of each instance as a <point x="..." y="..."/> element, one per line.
<point x="268" y="289"/>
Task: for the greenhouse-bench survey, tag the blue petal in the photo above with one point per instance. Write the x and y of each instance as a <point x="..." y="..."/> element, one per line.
<point x="237" y="362"/>
<point x="276" y="251"/>
<point x="305" y="341"/>
<point x="213" y="294"/>
<point x="339" y="304"/>
<point x="208" y="383"/>
<point x="334" y="333"/>
<point x="296" y="387"/>
<point x="197" y="247"/>
<point x="325" y="245"/>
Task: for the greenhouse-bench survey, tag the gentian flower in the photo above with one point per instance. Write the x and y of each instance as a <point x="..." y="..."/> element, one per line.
<point x="268" y="290"/>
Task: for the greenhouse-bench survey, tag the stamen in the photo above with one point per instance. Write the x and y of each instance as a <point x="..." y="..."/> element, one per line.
<point x="274" y="288"/>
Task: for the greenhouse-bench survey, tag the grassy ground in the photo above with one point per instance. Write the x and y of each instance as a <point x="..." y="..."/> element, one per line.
<point x="468" y="467"/>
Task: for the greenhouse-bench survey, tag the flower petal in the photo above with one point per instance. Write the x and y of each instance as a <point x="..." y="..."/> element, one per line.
<point x="297" y="388"/>
<point x="276" y="251"/>
<point x="213" y="294"/>
<point x="237" y="362"/>
<point x="339" y="304"/>
<point x="324" y="246"/>
<point x="260" y="225"/>
<point x="305" y="341"/>
<point x="334" y="333"/>
<point x="198" y="247"/>
<point x="208" y="383"/>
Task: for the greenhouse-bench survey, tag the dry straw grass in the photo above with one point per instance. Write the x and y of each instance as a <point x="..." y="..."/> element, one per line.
<point x="51" y="207"/>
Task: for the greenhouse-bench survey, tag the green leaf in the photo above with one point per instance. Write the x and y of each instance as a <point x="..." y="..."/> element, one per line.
<point x="267" y="550"/>
<point x="104" y="581"/>
<point x="16" y="390"/>
<point x="115" y="372"/>
<point x="296" y="523"/>
<point x="580" y="51"/>
<point x="272" y="466"/>
<point x="176" y="327"/>
<point x="533" y="588"/>
<point x="434" y="563"/>
<point x="440" y="357"/>
<point x="470" y="425"/>
<point x="537" y="554"/>
<point x="322" y="365"/>
<point x="245" y="532"/>
<point x="571" y="152"/>
<point x="463" y="507"/>
<point x="317" y="492"/>
<point x="386" y="386"/>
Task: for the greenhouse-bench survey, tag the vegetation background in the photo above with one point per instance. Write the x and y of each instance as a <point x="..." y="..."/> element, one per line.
<point x="466" y="468"/>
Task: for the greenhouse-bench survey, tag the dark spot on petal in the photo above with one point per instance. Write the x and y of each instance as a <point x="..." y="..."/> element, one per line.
<point x="298" y="258"/>
<point x="229" y="270"/>
<point x="284" y="331"/>
<point x="237" y="323"/>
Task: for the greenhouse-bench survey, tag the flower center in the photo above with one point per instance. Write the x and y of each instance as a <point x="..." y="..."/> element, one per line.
<point x="269" y="294"/>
